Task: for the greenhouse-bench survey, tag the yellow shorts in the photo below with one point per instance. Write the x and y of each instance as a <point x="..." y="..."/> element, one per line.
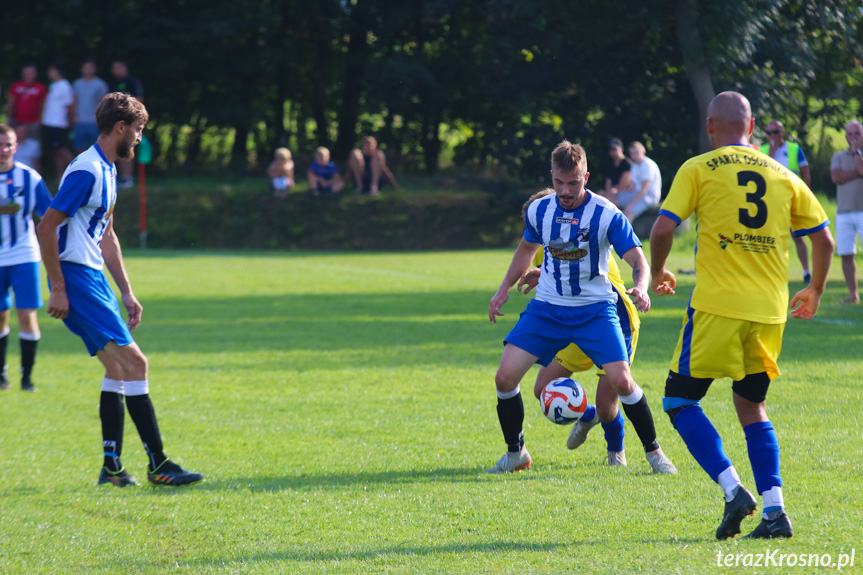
<point x="573" y="359"/>
<point x="712" y="346"/>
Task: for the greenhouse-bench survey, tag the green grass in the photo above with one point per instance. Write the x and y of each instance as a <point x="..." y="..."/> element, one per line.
<point x="342" y="409"/>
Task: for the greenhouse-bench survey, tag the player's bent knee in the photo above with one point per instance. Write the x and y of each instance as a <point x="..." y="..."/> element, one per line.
<point x="606" y="413"/>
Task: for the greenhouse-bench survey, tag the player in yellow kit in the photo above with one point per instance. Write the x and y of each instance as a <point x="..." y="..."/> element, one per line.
<point x="572" y="360"/>
<point x="745" y="203"/>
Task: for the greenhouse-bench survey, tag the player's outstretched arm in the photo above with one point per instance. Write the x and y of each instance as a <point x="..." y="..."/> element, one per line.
<point x="662" y="281"/>
<point x="635" y="258"/>
<point x="113" y="256"/>
<point x="58" y="302"/>
<point x="805" y="303"/>
<point x="521" y="260"/>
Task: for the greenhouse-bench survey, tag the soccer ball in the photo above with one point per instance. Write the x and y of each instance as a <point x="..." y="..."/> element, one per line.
<point x="563" y="401"/>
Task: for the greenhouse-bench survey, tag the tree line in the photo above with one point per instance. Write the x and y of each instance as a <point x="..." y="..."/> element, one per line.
<point x="495" y="82"/>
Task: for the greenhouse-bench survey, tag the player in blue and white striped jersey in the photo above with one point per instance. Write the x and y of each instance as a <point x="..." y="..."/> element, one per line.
<point x="77" y="240"/>
<point x="575" y="302"/>
<point x="22" y="194"/>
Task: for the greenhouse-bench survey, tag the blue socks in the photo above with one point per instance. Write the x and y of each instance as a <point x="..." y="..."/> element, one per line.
<point x="589" y="413"/>
<point x="764" y="457"/>
<point x="702" y="440"/>
<point x="614" y="433"/>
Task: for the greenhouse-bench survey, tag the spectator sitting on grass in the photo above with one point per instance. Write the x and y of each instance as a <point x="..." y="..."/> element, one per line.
<point x="369" y="168"/>
<point x="324" y="178"/>
<point x="281" y="173"/>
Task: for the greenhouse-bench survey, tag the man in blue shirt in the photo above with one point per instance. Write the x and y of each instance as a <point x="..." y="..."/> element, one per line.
<point x="77" y="240"/>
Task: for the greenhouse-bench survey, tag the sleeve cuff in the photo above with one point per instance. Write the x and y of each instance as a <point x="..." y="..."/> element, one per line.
<point x="671" y="215"/>
<point x="806" y="232"/>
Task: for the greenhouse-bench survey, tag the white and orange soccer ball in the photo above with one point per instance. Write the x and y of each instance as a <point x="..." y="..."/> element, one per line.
<point x="563" y="401"/>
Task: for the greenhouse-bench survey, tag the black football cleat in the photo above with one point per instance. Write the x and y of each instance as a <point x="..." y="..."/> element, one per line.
<point x="116" y="478"/>
<point x="169" y="473"/>
<point x="773" y="528"/>
<point x="743" y="505"/>
<point x="27" y="385"/>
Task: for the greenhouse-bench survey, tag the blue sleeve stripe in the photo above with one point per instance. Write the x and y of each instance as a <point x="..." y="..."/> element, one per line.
<point x="673" y="216"/>
<point x="100" y="211"/>
<point x="818" y="228"/>
<point x="594" y="242"/>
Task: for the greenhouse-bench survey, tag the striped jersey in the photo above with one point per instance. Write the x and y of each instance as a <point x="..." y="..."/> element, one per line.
<point x="22" y="193"/>
<point x="88" y="192"/>
<point x="576" y="248"/>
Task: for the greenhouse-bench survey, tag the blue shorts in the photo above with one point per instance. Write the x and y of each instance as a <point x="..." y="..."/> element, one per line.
<point x="94" y="314"/>
<point x="85" y="135"/>
<point x="544" y="329"/>
<point x="24" y="280"/>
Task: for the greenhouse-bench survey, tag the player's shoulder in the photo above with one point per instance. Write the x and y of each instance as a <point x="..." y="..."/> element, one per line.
<point x="603" y="203"/>
<point x="34" y="175"/>
<point x="544" y="201"/>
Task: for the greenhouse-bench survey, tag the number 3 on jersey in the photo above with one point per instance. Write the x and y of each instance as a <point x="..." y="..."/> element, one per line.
<point x="760" y="218"/>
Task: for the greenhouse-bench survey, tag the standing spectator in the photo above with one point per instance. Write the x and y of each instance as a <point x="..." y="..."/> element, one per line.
<point x="645" y="188"/>
<point x="57" y="118"/>
<point x="791" y="156"/>
<point x="128" y="84"/>
<point x="619" y="174"/>
<point x="89" y="90"/>
<point x="281" y="173"/>
<point x="29" y="149"/>
<point x="25" y="194"/>
<point x="369" y="168"/>
<point x="846" y="171"/>
<point x="26" y="100"/>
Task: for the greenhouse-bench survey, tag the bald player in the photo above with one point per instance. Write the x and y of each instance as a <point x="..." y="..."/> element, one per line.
<point x="745" y="203"/>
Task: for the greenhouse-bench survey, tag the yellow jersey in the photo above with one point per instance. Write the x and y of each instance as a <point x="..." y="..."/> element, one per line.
<point x="745" y="203"/>
<point x="616" y="279"/>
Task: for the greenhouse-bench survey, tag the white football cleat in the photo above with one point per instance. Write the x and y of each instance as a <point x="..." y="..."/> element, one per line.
<point x="579" y="432"/>
<point x="512" y="461"/>
<point x="660" y="463"/>
<point x="617" y="458"/>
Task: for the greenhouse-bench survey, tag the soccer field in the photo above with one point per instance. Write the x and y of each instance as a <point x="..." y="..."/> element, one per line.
<point x="342" y="408"/>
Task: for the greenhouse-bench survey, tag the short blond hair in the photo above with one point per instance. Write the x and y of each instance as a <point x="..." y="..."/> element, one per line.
<point x="533" y="198"/>
<point x="322" y="153"/>
<point x="569" y="158"/>
<point x="283" y="154"/>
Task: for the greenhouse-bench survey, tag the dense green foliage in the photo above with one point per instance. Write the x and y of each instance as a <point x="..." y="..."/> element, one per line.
<point x="491" y="82"/>
<point x="342" y="409"/>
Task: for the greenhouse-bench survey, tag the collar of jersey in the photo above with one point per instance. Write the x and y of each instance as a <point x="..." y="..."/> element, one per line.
<point x="101" y="155"/>
<point x="579" y="208"/>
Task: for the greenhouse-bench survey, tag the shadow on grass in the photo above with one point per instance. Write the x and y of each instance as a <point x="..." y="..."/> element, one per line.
<point x="305" y="482"/>
<point x="400" y="329"/>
